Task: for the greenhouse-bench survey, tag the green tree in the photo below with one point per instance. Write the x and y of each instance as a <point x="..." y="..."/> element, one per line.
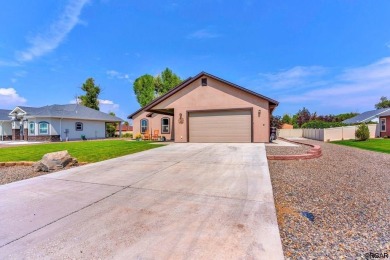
<point x="345" y="116"/>
<point x="144" y="89"/>
<point x="383" y="103"/>
<point x="286" y="119"/>
<point x="111" y="127"/>
<point x="91" y="97"/>
<point x="166" y="81"/>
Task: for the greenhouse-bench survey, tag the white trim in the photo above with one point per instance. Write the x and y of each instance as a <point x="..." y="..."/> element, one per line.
<point x="29" y="129"/>
<point x="147" y="125"/>
<point x="48" y="128"/>
<point x="384" y="120"/>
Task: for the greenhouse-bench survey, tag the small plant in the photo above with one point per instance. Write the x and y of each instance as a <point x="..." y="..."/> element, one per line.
<point x="127" y="135"/>
<point x="362" y="132"/>
<point x="138" y="136"/>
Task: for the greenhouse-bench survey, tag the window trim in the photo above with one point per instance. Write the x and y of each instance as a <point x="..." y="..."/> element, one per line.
<point x="384" y="123"/>
<point x="82" y="126"/>
<point x="39" y="128"/>
<point x="33" y="128"/>
<point x="169" y="125"/>
<point x="147" y="125"/>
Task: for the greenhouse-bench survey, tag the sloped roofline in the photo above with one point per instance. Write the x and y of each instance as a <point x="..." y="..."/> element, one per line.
<point x="369" y="117"/>
<point x="12" y="112"/>
<point x="189" y="81"/>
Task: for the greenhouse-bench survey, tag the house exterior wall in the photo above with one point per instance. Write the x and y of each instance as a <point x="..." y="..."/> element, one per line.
<point x="91" y="129"/>
<point x="154" y="124"/>
<point x="216" y="95"/>
<point x="387" y="132"/>
<point x="6" y="130"/>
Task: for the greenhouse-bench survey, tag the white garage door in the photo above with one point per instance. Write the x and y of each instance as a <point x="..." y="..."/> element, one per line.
<point x="232" y="126"/>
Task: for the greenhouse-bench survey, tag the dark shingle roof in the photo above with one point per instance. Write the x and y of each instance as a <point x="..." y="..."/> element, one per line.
<point x="4" y="115"/>
<point x="73" y="111"/>
<point x="366" y="116"/>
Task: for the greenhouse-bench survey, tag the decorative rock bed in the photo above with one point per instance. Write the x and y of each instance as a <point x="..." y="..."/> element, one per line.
<point x="313" y="152"/>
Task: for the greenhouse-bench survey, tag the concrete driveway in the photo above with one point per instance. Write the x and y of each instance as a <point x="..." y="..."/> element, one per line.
<point x="211" y="201"/>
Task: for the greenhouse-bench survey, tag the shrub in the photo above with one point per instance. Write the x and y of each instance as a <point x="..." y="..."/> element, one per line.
<point x="138" y="136"/>
<point x="127" y="135"/>
<point x="321" y="124"/>
<point x="362" y="133"/>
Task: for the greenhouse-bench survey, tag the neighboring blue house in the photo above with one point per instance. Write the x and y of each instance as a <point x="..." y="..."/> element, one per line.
<point x="54" y="123"/>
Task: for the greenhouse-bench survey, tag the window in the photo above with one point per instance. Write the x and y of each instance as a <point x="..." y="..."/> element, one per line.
<point x="165" y="125"/>
<point x="383" y="124"/>
<point x="144" y="125"/>
<point x="43" y="128"/>
<point x="31" y="128"/>
<point x="79" y="126"/>
<point x="204" y="82"/>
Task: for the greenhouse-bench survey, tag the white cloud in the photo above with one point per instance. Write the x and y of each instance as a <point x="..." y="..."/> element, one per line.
<point x="104" y="104"/>
<point x="118" y="75"/>
<point x="9" y="97"/>
<point x="356" y="88"/>
<point x="203" y="34"/>
<point x="4" y="63"/>
<point x="48" y="41"/>
<point x="294" y="77"/>
<point x="108" y="106"/>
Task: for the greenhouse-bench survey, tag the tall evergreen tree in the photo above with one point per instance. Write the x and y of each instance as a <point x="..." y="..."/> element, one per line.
<point x="91" y="97"/>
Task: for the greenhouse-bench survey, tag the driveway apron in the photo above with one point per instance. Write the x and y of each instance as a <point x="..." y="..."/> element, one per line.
<point x="179" y="201"/>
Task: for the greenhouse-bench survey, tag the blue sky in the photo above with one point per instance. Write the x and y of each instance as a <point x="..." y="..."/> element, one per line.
<point x="329" y="56"/>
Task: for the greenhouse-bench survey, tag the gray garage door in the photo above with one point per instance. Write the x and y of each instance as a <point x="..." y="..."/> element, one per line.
<point x="232" y="126"/>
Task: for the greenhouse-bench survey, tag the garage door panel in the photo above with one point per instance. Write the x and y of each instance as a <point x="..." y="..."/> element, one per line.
<point x="220" y="126"/>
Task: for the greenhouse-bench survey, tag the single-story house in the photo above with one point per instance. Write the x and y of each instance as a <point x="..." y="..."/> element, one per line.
<point x="5" y="125"/>
<point x="205" y="108"/>
<point x="384" y="124"/>
<point x="57" y="123"/>
<point x="368" y="116"/>
<point x="124" y="129"/>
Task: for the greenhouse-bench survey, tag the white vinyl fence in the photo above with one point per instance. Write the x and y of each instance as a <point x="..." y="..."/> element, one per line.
<point x="328" y="134"/>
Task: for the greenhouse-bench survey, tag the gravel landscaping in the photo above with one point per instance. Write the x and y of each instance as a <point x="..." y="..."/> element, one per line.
<point x="345" y="193"/>
<point x="279" y="150"/>
<point x="17" y="173"/>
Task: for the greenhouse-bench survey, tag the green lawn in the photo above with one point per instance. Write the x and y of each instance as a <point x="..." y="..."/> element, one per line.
<point x="87" y="151"/>
<point x="378" y="145"/>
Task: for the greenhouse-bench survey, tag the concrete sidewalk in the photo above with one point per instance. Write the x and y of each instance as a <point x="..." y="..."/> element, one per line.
<point x="209" y="201"/>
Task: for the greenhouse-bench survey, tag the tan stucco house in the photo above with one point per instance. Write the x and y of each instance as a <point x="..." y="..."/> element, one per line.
<point x="206" y="108"/>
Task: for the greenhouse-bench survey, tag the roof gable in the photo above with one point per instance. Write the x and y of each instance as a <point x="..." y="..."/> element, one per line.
<point x="193" y="79"/>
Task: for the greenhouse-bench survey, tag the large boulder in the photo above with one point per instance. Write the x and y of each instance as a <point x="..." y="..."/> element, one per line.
<point x="54" y="161"/>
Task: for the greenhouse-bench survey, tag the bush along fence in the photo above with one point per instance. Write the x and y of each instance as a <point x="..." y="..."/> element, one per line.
<point x="328" y="134"/>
